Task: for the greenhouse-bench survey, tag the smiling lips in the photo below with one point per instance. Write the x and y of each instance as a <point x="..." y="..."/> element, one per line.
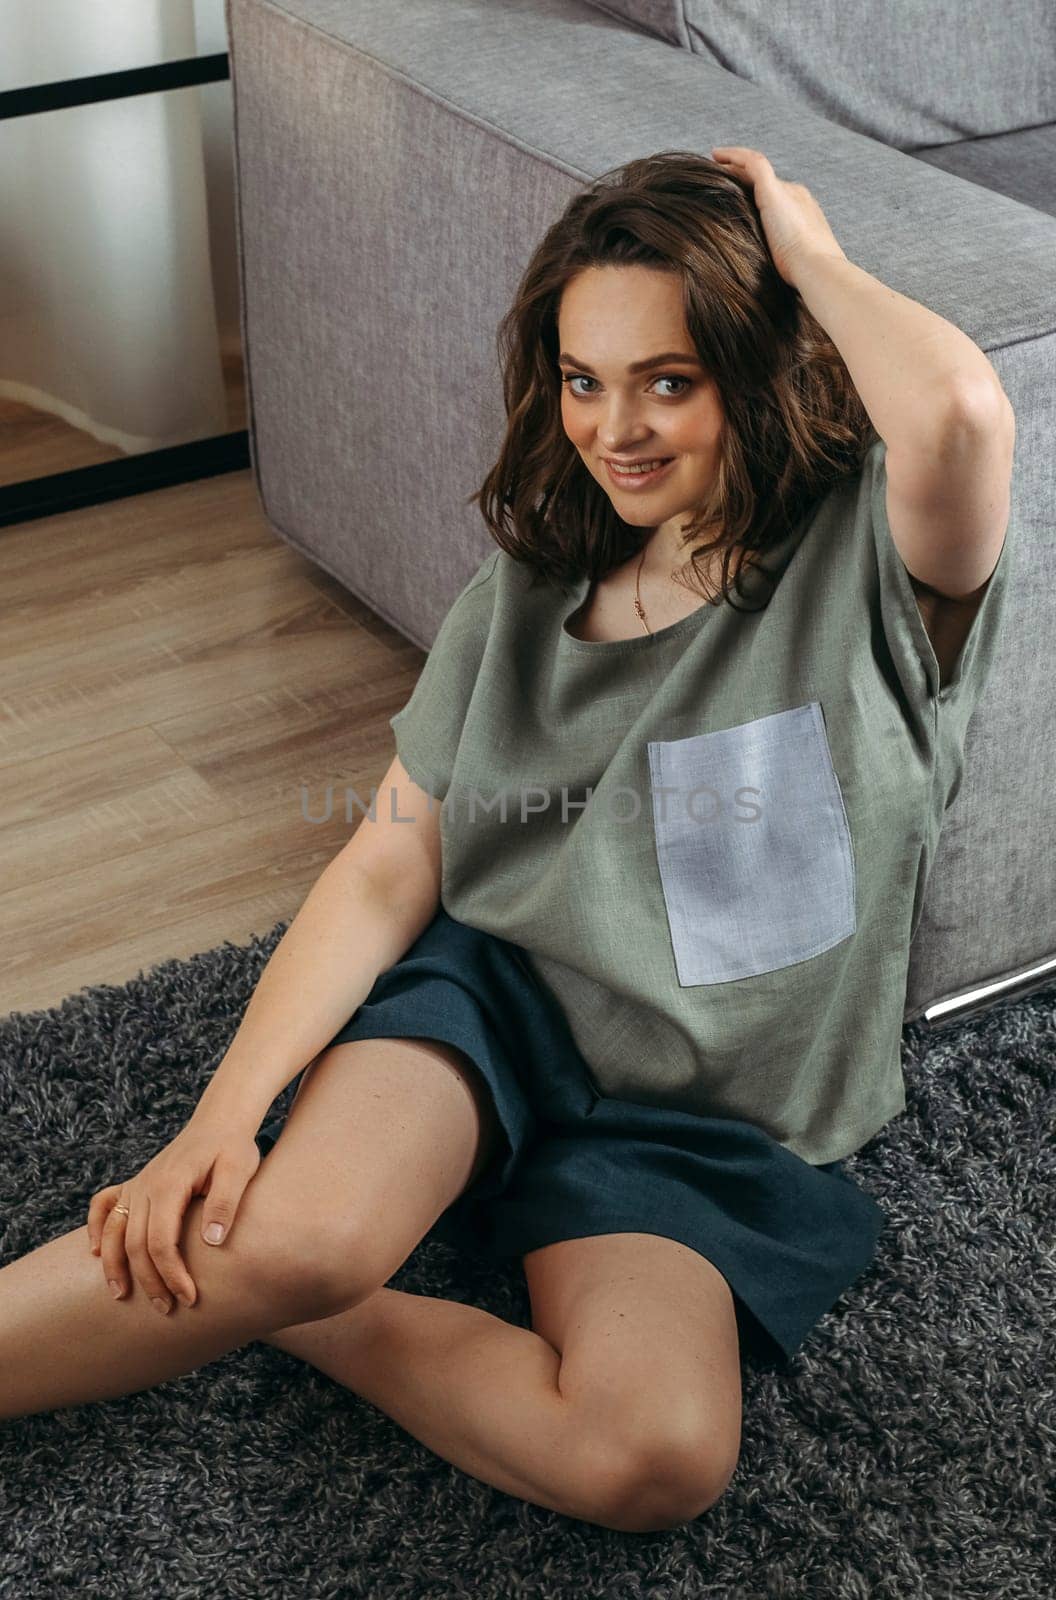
<point x="638" y="477"/>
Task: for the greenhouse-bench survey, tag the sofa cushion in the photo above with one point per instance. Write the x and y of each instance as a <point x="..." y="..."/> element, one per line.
<point x="1022" y="165"/>
<point x="897" y="70"/>
<point x="665" y="18"/>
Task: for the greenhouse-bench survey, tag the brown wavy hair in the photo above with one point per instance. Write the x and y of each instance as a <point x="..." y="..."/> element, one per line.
<point x="795" y="424"/>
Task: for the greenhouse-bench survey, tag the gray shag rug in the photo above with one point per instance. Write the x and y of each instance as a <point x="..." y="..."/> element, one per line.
<point x="907" y="1452"/>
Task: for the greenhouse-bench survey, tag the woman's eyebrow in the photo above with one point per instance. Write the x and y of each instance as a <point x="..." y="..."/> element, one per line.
<point x="635" y="366"/>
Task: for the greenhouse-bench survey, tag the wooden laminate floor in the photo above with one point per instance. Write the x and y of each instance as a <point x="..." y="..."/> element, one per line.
<point x="178" y="688"/>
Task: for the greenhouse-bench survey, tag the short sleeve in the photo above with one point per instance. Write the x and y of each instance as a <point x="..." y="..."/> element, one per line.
<point x="907" y="637"/>
<point x="429" y="727"/>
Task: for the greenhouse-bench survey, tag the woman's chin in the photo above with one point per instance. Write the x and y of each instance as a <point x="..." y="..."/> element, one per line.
<point x="634" y="516"/>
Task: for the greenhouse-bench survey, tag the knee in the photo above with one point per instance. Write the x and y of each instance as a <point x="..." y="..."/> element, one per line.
<point x="660" y="1482"/>
<point x="306" y="1266"/>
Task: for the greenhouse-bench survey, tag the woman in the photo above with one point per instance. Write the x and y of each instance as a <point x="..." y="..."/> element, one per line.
<point x="693" y="725"/>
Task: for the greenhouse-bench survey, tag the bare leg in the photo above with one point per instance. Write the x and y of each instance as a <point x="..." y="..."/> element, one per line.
<point x="382" y="1134"/>
<point x="473" y="1388"/>
<point x="65" y="1341"/>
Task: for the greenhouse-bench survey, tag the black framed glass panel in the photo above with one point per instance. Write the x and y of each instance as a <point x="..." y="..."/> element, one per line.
<point x="120" y="350"/>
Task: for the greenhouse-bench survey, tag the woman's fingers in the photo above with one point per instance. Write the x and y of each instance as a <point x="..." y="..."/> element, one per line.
<point x="112" y="1248"/>
<point x="164" y="1221"/>
<point x="738" y="155"/>
<point x="140" y="1242"/>
<point x="141" y="1247"/>
<point x="98" y="1210"/>
<point x="140" y="1262"/>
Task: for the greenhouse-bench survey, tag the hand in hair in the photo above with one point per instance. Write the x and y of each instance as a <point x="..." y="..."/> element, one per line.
<point x="793" y="221"/>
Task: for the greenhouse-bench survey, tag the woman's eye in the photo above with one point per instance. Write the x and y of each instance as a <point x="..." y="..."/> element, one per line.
<point x="575" y="377"/>
<point x="667" y="377"/>
<point x="674" y="377"/>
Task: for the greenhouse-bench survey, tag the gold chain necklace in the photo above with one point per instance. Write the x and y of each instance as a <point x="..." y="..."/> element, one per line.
<point x="637" y="594"/>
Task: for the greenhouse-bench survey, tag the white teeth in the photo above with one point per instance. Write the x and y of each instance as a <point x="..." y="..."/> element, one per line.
<point x="645" y="466"/>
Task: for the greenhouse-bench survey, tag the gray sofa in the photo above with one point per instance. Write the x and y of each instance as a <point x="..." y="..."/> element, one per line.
<point x="396" y="165"/>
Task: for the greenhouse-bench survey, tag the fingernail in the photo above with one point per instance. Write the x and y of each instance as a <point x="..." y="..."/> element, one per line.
<point x="161" y="1305"/>
<point x="214" y="1233"/>
<point x="115" y="1288"/>
<point x="182" y="1298"/>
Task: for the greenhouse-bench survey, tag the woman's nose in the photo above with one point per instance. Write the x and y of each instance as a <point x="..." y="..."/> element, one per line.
<point x="618" y="426"/>
<point x="620" y="444"/>
<point x="617" y="431"/>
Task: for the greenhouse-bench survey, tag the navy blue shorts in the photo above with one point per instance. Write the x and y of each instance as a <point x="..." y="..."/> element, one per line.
<point x="788" y="1237"/>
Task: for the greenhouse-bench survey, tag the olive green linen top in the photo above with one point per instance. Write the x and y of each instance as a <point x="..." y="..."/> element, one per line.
<point x="712" y="842"/>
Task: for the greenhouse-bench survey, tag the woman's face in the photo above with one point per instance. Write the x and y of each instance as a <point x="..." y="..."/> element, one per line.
<point x="613" y="318"/>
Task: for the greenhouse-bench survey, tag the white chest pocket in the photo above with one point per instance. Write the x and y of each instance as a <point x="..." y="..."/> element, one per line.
<point x="753" y="846"/>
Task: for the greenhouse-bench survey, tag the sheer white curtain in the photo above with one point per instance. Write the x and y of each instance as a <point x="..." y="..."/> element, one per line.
<point x="108" y="313"/>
